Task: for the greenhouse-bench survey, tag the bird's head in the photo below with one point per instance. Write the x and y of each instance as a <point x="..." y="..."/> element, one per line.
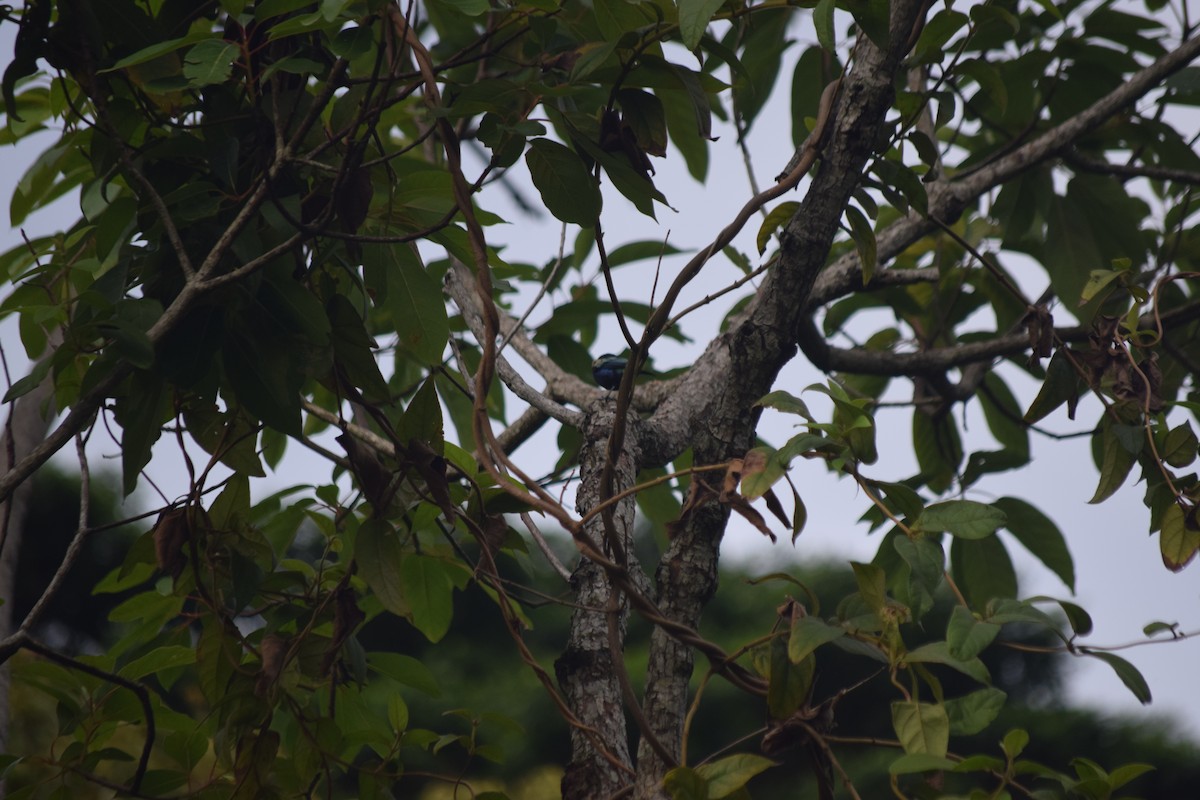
<point x="609" y="361"/>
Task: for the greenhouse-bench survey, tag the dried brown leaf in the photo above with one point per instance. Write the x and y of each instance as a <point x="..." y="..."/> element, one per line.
<point x="171" y="533"/>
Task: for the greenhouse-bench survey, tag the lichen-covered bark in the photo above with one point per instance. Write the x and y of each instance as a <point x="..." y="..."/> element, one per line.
<point x="713" y="411"/>
<point x="586" y="670"/>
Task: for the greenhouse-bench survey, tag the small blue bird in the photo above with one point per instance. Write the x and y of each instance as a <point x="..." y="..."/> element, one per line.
<point x="608" y="369"/>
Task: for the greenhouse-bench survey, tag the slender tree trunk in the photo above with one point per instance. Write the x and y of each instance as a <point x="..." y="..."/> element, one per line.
<point x="26" y="426"/>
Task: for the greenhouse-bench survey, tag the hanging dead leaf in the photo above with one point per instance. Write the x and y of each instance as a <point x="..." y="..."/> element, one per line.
<point x="776" y="507"/>
<point x="376" y="482"/>
<point x="273" y="651"/>
<point x="171" y="533"/>
<point x="742" y="506"/>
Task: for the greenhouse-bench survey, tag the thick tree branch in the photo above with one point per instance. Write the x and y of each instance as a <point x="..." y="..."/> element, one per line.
<point x="709" y="410"/>
<point x="1152" y="171"/>
<point x="949" y="197"/>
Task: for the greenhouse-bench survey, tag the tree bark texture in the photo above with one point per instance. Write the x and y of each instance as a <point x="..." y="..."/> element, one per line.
<point x="714" y="410"/>
<point x="26" y="427"/>
<point x="587" y="669"/>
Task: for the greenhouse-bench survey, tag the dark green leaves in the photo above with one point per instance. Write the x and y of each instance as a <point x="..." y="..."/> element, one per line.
<point x="1039" y="535"/>
<point x="567" y="187"/>
<point x="809" y="633"/>
<point x="864" y="240"/>
<point x="1127" y="672"/>
<point x="694" y="16"/>
<point x="965" y="519"/>
<point x="141" y="412"/>
<point x="413" y="300"/>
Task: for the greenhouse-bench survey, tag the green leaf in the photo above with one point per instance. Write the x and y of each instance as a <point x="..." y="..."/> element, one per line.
<point x="965" y="519"/>
<point x="991" y="83"/>
<point x="406" y="670"/>
<point x="631" y="252"/>
<point x="292" y="307"/>
<point x="872" y="17"/>
<point x="159" y="659"/>
<point x="353" y="350"/>
<point x="379" y="554"/>
<point x="971" y="714"/>
<point x="864" y="240"/>
<point x="615" y="18"/>
<point x="229" y="436"/>
<point x="684" y="783"/>
<point x="1038" y="534"/>
<point x="921" y="727"/>
<point x="1179" y="446"/>
<point x="1014" y="742"/>
<point x="141" y="411"/>
<point x="1077" y="617"/>
<point x="778" y="217"/>
<point x="30" y="382"/>
<point x="823" y="23"/>
<point x="422" y="419"/>
<point x="938" y="448"/>
<point x="565" y="184"/>
<point x="210" y="62"/>
<point x="1177" y="542"/>
<point x="727" y="775"/>
<point x="414" y="301"/>
<point x="430" y="594"/>
<point x="756" y="484"/>
<point x="789" y="684"/>
<point x="261" y="373"/>
<point x="1127" y="772"/>
<point x="694" y="16"/>
<point x="159" y="49"/>
<point x="1061" y="386"/>
<point x="937" y="31"/>
<point x="809" y="633"/>
<point x="966" y="636"/>
<point x="1127" y="672"/>
<point x="901" y="498"/>
<point x="1003" y="414"/>
<point x="232" y="506"/>
<point x="1116" y="461"/>
<point x="939" y="653"/>
<point x="925" y="558"/>
<point x="352" y="42"/>
<point x="786" y="402"/>
<point x="982" y="569"/>
<point x="872" y="584"/>
<point x="1097" y="281"/>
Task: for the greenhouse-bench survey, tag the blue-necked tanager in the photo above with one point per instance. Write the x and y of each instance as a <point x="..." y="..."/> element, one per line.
<point x="608" y="369"/>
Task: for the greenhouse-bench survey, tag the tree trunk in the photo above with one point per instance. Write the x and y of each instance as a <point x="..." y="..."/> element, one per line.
<point x="26" y="426"/>
<point x="587" y="670"/>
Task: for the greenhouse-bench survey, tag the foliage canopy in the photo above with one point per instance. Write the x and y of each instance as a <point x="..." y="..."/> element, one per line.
<point x="290" y="236"/>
